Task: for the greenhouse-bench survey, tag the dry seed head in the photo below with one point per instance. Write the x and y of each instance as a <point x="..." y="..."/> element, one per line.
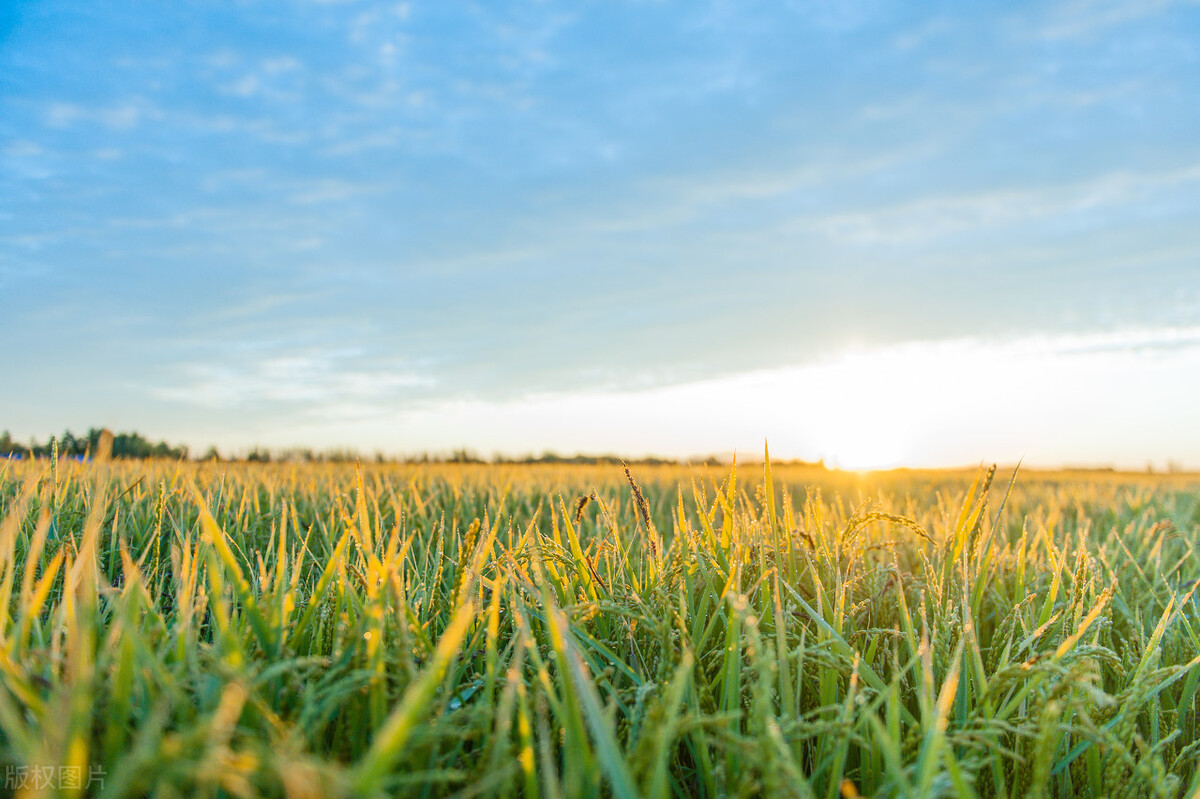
<point x="580" y="504"/>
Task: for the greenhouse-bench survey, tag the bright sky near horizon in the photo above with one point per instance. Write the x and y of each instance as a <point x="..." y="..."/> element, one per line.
<point x="874" y="232"/>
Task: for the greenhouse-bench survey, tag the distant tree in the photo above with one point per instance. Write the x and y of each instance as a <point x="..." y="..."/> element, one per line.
<point x="8" y="447"/>
<point x="69" y="445"/>
<point x="259" y="456"/>
<point x="464" y="455"/>
<point x="295" y="455"/>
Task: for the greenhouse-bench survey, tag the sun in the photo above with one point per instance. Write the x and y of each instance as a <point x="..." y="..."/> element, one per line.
<point x="863" y="450"/>
<point x="856" y="439"/>
<point x="873" y="410"/>
<point x="864" y="429"/>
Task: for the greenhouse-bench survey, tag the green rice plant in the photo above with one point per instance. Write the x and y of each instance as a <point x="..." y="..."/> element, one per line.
<point x="585" y="631"/>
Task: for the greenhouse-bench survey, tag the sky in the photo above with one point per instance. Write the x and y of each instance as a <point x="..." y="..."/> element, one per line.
<point x="878" y="233"/>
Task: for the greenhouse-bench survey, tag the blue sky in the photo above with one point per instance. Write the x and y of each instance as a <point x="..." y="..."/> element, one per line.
<point x="519" y="226"/>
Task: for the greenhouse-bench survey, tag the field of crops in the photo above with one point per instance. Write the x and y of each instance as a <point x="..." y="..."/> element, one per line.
<point x="549" y="631"/>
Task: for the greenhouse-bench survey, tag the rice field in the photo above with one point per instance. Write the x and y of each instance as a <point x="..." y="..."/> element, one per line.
<point x="180" y="629"/>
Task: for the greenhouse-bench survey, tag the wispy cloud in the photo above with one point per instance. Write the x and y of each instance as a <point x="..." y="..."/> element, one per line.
<point x="928" y="219"/>
<point x="318" y="382"/>
<point x="22" y="148"/>
<point x="1076" y="18"/>
<point x="330" y="190"/>
<point x="277" y="79"/>
<point x="1138" y="340"/>
<point x="123" y="116"/>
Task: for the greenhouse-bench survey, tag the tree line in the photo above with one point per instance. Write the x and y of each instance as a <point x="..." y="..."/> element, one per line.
<point x="124" y="445"/>
<point x="133" y="445"/>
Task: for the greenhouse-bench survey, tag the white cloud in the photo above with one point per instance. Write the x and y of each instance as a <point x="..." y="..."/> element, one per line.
<point x="384" y="139"/>
<point x="316" y="192"/>
<point x="123" y="116"/>
<point x="245" y="86"/>
<point x="318" y="381"/>
<point x="22" y="148"/>
<point x="678" y="198"/>
<point x="233" y="179"/>
<point x="1076" y="18"/>
<point x="60" y="115"/>
<point x="929" y="218"/>
<point x="274" y="78"/>
<point x="222" y="59"/>
<point x="1121" y="397"/>
<point x="279" y="64"/>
